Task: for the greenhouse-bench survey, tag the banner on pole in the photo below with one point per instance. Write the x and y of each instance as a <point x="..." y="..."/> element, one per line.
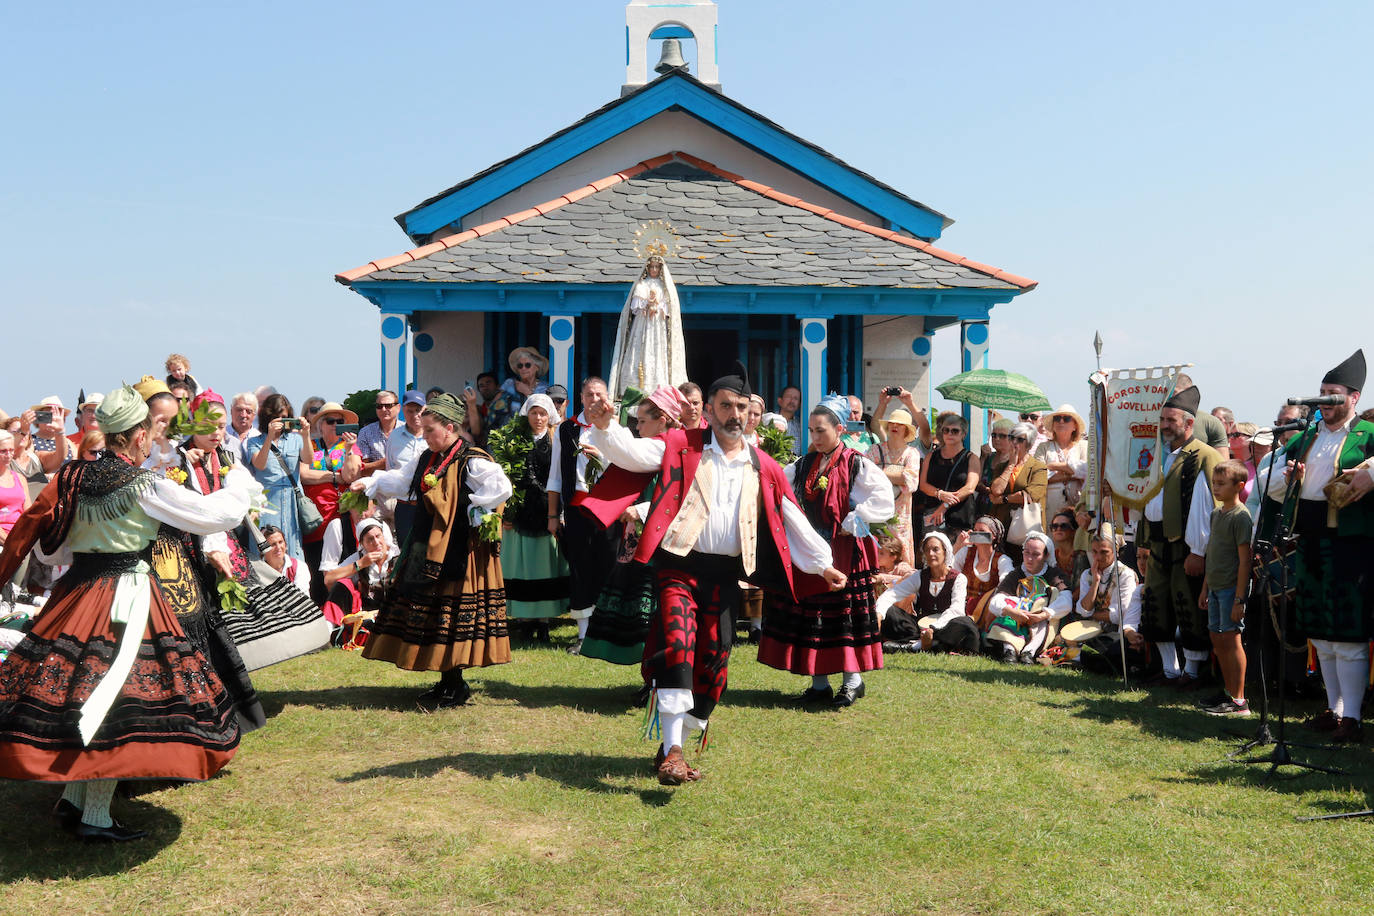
<point x="1124" y="438"/>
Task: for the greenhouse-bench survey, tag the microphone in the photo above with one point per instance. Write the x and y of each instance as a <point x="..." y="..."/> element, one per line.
<point x="1326" y="400"/>
<point x="1299" y="423"/>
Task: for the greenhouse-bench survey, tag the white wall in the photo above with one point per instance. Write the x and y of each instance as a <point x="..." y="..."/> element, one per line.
<point x="458" y="349"/>
<point x="887" y="342"/>
<point x="664" y="133"/>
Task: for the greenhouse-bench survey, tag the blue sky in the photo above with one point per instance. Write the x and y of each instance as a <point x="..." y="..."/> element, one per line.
<point x="1194" y="180"/>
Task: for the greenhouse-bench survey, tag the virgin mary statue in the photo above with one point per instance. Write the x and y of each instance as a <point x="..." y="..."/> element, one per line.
<point x="648" y="341"/>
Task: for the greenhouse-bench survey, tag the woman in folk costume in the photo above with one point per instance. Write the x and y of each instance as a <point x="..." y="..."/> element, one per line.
<point x="277" y="622"/>
<point x="446" y="609"/>
<point x="184" y="564"/>
<point x="534" y="570"/>
<point x="620" y="622"/>
<point x="842" y="493"/>
<point x="106" y="685"/>
<point x="648" y="341"/>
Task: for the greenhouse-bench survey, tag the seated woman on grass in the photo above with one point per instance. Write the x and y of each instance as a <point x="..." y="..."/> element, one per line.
<point x="938" y="620"/>
<point x="978" y="555"/>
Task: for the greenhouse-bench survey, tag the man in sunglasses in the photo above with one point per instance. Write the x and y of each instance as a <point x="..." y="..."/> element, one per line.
<point x="372" y="437"/>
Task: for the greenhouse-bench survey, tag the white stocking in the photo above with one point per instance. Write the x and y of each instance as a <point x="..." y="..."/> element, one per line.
<point x="1168" y="657"/>
<point x="1352" y="671"/>
<point x="1326" y="664"/>
<point x="99" y="792"/>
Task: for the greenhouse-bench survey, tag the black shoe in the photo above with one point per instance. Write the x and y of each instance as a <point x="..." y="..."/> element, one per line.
<point x="1026" y="658"/>
<point x="442" y="696"/>
<point x="754" y="635"/>
<point x="575" y="648"/>
<point x="67" y="814"/>
<point x="115" y="833"/>
<point x="846" y="696"/>
<point x="816" y="695"/>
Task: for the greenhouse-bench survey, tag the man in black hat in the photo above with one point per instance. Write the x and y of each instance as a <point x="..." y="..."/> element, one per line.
<point x="721" y="512"/>
<point x="1172" y="543"/>
<point x="1329" y="474"/>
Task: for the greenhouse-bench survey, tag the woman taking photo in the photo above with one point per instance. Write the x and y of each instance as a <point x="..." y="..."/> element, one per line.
<point x="949" y="478"/>
<point x="979" y="556"/>
<point x="901" y="465"/>
<point x="275" y="460"/>
<point x="335" y="462"/>
<point x="1021" y="488"/>
<point x="842" y="493"/>
<point x="1065" y="455"/>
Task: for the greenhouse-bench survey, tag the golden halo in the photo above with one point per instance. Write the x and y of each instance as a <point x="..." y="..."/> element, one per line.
<point x="656" y="239"/>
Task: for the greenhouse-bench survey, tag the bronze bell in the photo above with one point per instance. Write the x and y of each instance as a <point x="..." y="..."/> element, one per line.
<point x="671" y="58"/>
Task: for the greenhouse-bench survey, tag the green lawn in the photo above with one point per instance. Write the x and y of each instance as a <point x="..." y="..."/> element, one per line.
<point x="956" y="786"/>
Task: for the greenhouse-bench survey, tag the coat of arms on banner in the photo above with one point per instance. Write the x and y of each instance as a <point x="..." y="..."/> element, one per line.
<point x="1124" y="442"/>
<point x="1144" y="445"/>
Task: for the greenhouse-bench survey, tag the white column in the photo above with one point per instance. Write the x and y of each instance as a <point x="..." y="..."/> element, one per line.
<point x="815" y="338"/>
<point x="562" y="337"/>
<point x="395" y="367"/>
<point x="973" y="338"/>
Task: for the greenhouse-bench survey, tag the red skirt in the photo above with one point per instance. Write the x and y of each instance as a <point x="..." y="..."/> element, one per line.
<point x="172" y="719"/>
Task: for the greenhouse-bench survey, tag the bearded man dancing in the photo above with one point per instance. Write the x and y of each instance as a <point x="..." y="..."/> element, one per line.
<point x="1329" y="467"/>
<point x="721" y="511"/>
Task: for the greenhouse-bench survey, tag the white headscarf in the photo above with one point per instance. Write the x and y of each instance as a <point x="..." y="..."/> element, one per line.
<point x="944" y="542"/>
<point x="540" y="400"/>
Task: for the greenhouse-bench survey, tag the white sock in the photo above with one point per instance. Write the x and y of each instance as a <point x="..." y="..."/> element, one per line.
<point x="1193" y="659"/>
<point x="671" y="723"/>
<point x="756" y="623"/>
<point x="852" y="679"/>
<point x="99" y="793"/>
<point x="1326" y="664"/>
<point x="820" y="681"/>
<point x="691" y="724"/>
<point x="1352" y="671"/>
<point x="1168" y="657"/>
<point x="75" y="793"/>
<point x="582" y="623"/>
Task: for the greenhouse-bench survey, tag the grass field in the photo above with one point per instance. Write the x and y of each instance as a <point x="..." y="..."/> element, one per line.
<point x="956" y="786"/>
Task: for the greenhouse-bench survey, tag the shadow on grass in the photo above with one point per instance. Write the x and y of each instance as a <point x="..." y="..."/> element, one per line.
<point x="605" y="701"/>
<point x="575" y="771"/>
<point x="399" y="698"/>
<point x="37" y="848"/>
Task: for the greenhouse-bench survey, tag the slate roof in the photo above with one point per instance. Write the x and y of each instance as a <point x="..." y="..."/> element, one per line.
<point x="732" y="231"/>
<point x="616" y="103"/>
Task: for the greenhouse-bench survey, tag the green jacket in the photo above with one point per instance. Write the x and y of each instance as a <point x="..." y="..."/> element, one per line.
<point x="1194" y="459"/>
<point x="1356" y="519"/>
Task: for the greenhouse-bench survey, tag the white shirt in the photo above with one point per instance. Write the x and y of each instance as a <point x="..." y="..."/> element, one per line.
<point x="1063" y="601"/>
<point x="1319" y="466"/>
<point x="402" y="445"/>
<point x="1127" y="588"/>
<point x="912" y="584"/>
<point x="1199" y="529"/>
<point x="870" y="493"/>
<point x="485" y="479"/>
<point x="555" y="482"/>
<point x="720" y="535"/>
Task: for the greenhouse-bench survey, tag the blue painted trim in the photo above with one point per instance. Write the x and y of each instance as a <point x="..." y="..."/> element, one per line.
<point x="671" y="31"/>
<point x="627" y="46"/>
<point x="403" y="297"/>
<point x="711" y="108"/>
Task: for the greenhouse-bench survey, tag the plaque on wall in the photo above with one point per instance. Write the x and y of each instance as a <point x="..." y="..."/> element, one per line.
<point x="912" y="373"/>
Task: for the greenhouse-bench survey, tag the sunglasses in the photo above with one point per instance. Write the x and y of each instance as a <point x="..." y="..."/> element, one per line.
<point x="385" y="406"/>
<point x="1030" y="416"/>
<point x="1060" y="526"/>
<point x="999" y="435"/>
<point x="331" y="421"/>
<point x="1063" y="419"/>
<point x="1237" y="436"/>
<point x="946" y="430"/>
<point x="524" y="365"/>
<point x="1019" y="439"/>
<point x="557" y="401"/>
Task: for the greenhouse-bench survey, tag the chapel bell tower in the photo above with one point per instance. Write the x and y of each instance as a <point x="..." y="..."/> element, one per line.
<point x="653" y="20"/>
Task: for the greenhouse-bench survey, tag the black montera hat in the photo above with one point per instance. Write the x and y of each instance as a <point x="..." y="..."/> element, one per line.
<point x="737" y="381"/>
<point x="1349" y="373"/>
<point x="1186" y="400"/>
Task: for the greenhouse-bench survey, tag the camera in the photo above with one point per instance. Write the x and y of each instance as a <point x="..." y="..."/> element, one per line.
<point x="344" y="429"/>
<point x="979" y="537"/>
<point x="42" y="416"/>
<point x="892" y="390"/>
<point x="289" y="423"/>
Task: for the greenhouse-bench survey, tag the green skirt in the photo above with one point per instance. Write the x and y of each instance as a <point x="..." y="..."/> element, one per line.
<point x="536" y="576"/>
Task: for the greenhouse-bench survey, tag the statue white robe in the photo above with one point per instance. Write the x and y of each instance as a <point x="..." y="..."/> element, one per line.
<point x="648" y="340"/>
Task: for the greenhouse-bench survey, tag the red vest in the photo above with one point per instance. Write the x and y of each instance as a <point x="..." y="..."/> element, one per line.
<point x="618" y="489"/>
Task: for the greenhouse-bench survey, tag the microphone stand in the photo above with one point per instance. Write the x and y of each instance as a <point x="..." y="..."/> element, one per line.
<point x="1281" y="755"/>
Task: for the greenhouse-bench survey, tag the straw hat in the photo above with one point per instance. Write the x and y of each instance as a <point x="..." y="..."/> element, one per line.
<point x="1081" y="630"/>
<point x="1066" y="410"/>
<point x="901" y="417"/>
<point x="335" y="409"/>
<point x="540" y="361"/>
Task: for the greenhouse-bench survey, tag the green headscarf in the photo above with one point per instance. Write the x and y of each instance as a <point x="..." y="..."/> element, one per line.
<point x="448" y="408"/>
<point x="122" y="410"/>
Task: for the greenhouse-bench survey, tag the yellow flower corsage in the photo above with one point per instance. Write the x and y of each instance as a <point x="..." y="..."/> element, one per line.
<point x="431" y="481"/>
<point x="224" y="471"/>
<point x="822" y="483"/>
<point x="176" y="474"/>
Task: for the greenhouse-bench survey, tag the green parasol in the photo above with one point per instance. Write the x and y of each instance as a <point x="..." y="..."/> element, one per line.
<point x="995" y="389"/>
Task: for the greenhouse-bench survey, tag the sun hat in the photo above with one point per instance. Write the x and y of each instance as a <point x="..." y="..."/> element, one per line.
<point x="1066" y="410"/>
<point x="335" y="409"/>
<point x="541" y="362"/>
<point x="901" y="418"/>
